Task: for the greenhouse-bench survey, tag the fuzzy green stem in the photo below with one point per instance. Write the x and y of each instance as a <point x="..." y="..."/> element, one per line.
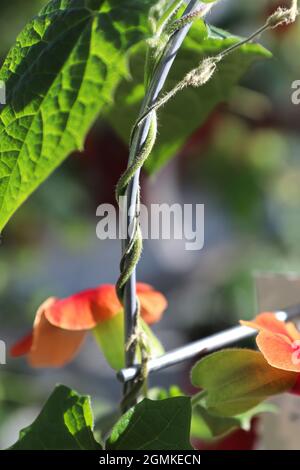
<point x="141" y="144"/>
<point x="207" y="67"/>
<point x="198" y="397"/>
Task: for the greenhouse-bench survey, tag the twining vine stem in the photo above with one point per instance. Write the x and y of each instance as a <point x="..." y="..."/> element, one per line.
<point x="141" y="143"/>
<point x="129" y="187"/>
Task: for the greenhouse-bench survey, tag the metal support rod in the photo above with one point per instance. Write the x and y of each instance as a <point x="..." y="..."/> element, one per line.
<point x="203" y="346"/>
<point x="157" y="83"/>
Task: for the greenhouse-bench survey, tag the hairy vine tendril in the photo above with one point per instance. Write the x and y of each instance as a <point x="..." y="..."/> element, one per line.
<point x="141" y="143"/>
<point x="134" y="248"/>
<point x="207" y="67"/>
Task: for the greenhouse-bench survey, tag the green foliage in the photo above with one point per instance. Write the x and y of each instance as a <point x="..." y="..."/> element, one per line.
<point x="190" y="108"/>
<point x="61" y="73"/>
<point x="236" y="380"/>
<point x="65" y="423"/>
<point x="14" y="15"/>
<point x="154" y="425"/>
<point x="207" y="426"/>
<point x="159" y="393"/>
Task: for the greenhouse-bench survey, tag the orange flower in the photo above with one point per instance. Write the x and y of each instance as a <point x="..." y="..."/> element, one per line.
<point x="60" y="326"/>
<point x="278" y="341"/>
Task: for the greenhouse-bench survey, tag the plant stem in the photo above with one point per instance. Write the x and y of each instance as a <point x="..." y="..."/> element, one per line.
<point x="173" y="7"/>
<point x="132" y="193"/>
<point x="203" y="346"/>
<point x="198" y="397"/>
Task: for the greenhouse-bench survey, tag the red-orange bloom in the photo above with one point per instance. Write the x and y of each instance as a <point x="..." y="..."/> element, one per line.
<point x="278" y="341"/>
<point x="60" y="326"/>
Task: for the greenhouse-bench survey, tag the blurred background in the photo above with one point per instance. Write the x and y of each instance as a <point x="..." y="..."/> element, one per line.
<point x="243" y="164"/>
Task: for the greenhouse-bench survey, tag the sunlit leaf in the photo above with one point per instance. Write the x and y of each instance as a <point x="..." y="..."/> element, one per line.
<point x="154" y="425"/>
<point x="61" y="73"/>
<point x="236" y="380"/>
<point x="65" y="423"/>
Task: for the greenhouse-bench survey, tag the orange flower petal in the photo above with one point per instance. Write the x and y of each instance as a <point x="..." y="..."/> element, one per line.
<point x="49" y="346"/>
<point x="153" y="303"/>
<point x="52" y="346"/>
<point x="278" y="341"/>
<point x="23" y="346"/>
<point x="83" y="311"/>
<point x="267" y="322"/>
<point x="278" y="352"/>
<point x="105" y="304"/>
<point x="292" y="331"/>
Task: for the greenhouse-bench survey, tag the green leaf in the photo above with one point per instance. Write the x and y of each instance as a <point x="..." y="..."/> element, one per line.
<point x="236" y="380"/>
<point x="246" y="418"/>
<point x="65" y="423"/>
<point x="207" y="426"/>
<point x="109" y="336"/>
<point x="155" y="347"/>
<point x="154" y="425"/>
<point x="61" y="73"/>
<point x="190" y="108"/>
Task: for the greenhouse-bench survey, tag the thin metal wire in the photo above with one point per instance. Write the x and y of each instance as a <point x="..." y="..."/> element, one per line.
<point x="203" y="346"/>
<point x="157" y="83"/>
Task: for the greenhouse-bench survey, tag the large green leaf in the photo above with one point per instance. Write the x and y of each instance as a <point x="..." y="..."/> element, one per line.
<point x="236" y="380"/>
<point x="154" y="425"/>
<point x="190" y="108"/>
<point x="65" y="423"/>
<point x="62" y="71"/>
